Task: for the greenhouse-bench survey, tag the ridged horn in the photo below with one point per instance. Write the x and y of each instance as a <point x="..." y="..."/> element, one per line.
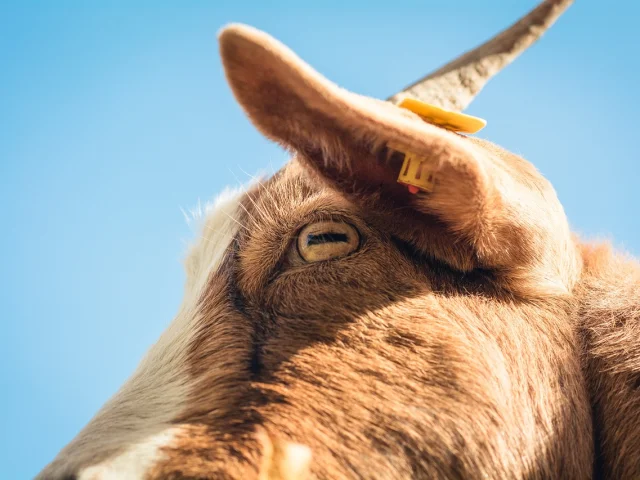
<point x="455" y="85"/>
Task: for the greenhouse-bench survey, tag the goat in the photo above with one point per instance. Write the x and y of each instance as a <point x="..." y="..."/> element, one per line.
<point x="337" y="325"/>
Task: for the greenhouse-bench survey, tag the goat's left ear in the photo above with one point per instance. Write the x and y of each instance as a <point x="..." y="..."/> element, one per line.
<point x="479" y="214"/>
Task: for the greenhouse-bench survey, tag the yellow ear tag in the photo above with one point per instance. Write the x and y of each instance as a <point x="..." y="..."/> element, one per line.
<point x="415" y="172"/>
<point x="454" y="121"/>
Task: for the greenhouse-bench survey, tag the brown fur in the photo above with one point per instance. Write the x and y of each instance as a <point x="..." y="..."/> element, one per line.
<point x="469" y="336"/>
<point x="408" y="369"/>
<point x="448" y="346"/>
<point x="609" y="299"/>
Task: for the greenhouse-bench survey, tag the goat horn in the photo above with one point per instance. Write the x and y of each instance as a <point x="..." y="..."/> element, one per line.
<point x="455" y="85"/>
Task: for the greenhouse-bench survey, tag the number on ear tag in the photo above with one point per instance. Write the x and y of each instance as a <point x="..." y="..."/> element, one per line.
<point x="416" y="174"/>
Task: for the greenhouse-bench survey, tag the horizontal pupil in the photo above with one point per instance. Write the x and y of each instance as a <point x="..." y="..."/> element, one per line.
<point x="326" y="238"/>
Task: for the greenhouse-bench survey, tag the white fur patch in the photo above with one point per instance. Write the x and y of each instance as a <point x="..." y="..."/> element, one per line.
<point x="133" y="463"/>
<point x="123" y="438"/>
<point x="216" y="232"/>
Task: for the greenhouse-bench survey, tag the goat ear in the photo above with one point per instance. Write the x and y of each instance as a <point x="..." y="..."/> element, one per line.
<point x="477" y="211"/>
<point x="291" y="103"/>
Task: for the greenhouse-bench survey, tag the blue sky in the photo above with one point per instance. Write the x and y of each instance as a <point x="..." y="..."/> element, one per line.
<point x="115" y="115"/>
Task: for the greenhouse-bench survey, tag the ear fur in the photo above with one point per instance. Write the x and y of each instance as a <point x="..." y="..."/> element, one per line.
<point x="292" y="104"/>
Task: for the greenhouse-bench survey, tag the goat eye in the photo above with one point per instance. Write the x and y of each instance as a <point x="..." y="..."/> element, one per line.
<point x="327" y="240"/>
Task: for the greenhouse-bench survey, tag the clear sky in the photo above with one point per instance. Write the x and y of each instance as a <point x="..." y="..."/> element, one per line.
<point x="115" y="115"/>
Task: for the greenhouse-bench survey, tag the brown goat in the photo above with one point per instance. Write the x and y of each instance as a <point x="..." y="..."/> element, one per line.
<point x="336" y="325"/>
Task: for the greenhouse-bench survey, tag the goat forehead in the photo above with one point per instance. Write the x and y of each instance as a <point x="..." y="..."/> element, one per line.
<point x="291" y="193"/>
<point x="126" y="436"/>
